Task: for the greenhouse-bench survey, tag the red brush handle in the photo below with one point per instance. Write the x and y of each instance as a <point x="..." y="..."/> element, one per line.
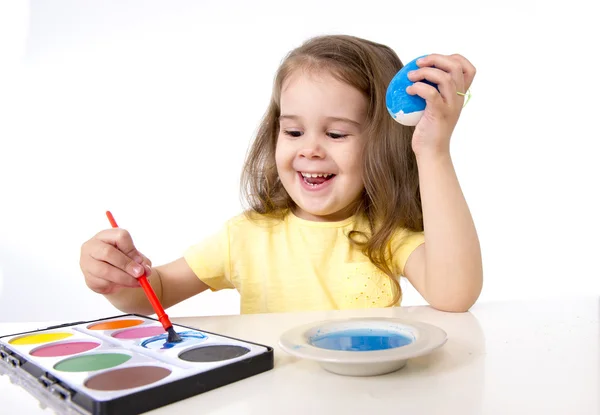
<point x="160" y="312"/>
<point x="158" y="309"/>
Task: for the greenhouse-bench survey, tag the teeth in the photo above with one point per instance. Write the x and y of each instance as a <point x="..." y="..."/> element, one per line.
<point x="326" y="175"/>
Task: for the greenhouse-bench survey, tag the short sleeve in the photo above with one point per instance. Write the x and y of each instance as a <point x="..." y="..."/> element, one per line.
<point x="210" y="260"/>
<point x="402" y="246"/>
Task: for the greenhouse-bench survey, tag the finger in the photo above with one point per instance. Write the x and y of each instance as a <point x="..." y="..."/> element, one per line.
<point x="428" y="93"/>
<point x="447" y="64"/>
<point x="147" y="267"/>
<point x="101" y="286"/>
<point x="442" y="79"/>
<point x="148" y="270"/>
<point x="121" y="239"/>
<point x="107" y="272"/>
<point x="145" y="260"/>
<point x="105" y="252"/>
<point x="468" y="69"/>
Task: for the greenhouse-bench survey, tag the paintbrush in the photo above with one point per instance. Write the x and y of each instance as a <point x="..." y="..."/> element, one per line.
<point x="172" y="337"/>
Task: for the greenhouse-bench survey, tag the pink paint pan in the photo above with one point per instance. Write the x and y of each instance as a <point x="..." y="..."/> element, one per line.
<point x="64" y="349"/>
<point x="139" y="332"/>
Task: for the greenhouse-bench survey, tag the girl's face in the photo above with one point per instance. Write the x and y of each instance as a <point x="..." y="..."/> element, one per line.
<point x="320" y="143"/>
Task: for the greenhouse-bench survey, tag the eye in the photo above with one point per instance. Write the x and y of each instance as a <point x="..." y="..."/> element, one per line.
<point x="293" y="133"/>
<point x="337" y="136"/>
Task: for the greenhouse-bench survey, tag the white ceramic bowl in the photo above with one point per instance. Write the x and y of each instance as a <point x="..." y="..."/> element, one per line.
<point x="301" y="342"/>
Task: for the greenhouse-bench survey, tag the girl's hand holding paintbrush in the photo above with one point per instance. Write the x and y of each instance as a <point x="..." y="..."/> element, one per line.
<point x="113" y="259"/>
<point x="110" y="261"/>
<point x="112" y="265"/>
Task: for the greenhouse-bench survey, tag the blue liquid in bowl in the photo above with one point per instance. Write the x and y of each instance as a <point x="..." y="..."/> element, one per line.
<point x="360" y="340"/>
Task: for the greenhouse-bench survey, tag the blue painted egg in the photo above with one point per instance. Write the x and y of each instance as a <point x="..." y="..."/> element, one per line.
<point x="404" y="108"/>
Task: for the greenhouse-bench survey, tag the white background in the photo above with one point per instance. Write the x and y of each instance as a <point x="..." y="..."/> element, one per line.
<point x="147" y="109"/>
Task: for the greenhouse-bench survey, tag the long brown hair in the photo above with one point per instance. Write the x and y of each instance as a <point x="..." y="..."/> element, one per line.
<point x="391" y="198"/>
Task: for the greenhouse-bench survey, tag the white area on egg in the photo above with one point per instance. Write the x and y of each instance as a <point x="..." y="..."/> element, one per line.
<point x="410" y="119"/>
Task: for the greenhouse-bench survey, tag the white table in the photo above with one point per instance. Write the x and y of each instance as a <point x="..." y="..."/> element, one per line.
<point x="534" y="357"/>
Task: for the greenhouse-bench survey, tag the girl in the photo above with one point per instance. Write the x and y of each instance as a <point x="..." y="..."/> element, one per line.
<point x="342" y="199"/>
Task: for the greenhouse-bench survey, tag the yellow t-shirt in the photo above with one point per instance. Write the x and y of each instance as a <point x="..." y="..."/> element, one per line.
<point x="297" y="265"/>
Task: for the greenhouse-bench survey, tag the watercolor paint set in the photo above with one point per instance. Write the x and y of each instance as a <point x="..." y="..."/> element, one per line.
<point x="124" y="364"/>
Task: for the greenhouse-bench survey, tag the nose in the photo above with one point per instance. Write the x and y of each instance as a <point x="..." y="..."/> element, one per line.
<point x="311" y="148"/>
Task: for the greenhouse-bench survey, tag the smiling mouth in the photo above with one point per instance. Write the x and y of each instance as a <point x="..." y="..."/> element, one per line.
<point x="316" y="179"/>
